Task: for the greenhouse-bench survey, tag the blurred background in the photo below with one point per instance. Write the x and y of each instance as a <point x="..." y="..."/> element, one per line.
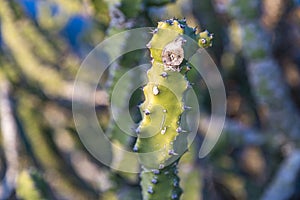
<point x="256" y="48"/>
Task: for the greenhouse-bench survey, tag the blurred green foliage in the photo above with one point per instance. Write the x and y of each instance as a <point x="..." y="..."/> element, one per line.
<point x="256" y="47"/>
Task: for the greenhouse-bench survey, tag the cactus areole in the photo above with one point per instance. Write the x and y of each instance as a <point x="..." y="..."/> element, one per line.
<point x="162" y="134"/>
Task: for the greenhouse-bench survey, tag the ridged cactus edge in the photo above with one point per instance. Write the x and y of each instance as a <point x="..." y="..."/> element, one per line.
<point x="162" y="134"/>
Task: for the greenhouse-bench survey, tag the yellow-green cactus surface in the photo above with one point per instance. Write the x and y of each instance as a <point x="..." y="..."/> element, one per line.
<point x="162" y="134"/>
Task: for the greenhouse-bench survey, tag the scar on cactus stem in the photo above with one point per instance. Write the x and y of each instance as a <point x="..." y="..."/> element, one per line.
<point x="173" y="54"/>
<point x="162" y="137"/>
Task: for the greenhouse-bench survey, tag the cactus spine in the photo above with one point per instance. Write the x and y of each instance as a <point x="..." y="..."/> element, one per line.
<point x="162" y="134"/>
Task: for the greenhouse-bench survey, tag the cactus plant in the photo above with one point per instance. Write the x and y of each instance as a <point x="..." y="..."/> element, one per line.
<point x="162" y="135"/>
<point x="124" y="16"/>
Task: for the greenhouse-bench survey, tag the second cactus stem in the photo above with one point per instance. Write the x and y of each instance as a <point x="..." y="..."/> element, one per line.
<point x="162" y="133"/>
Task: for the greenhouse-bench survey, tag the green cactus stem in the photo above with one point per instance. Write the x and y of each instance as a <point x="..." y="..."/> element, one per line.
<point x="124" y="14"/>
<point x="162" y="134"/>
